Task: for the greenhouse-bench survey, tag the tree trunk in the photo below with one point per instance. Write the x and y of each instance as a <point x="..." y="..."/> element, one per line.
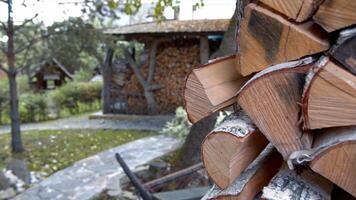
<point x="16" y="141"/>
<point x="107" y="72"/>
<point x="190" y="152"/>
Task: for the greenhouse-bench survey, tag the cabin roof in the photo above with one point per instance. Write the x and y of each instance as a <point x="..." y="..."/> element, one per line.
<point x="205" y="26"/>
<point x="57" y="64"/>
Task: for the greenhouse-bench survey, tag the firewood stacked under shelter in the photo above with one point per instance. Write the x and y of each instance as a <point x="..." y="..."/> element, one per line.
<point x="292" y="84"/>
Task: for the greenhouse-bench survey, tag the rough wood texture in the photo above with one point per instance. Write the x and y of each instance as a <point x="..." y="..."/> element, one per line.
<point x="252" y="180"/>
<point x="271" y="99"/>
<point x="345" y="49"/>
<point x="335" y="157"/>
<point x="336" y="14"/>
<point x="288" y="184"/>
<point x="230" y="148"/>
<point x="267" y="39"/>
<point x="297" y="10"/>
<point x="211" y="88"/>
<point x="329" y="97"/>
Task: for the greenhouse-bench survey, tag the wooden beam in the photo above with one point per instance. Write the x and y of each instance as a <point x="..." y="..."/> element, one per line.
<point x="267" y="38"/>
<point x="252" y="180"/>
<point x="345" y="49"/>
<point x="336" y="14"/>
<point x="329" y="97"/>
<point x="211" y="88"/>
<point x="204" y="49"/>
<point x="287" y="184"/>
<point x="174" y="176"/>
<point x="333" y="156"/>
<point x="297" y="10"/>
<point x="271" y="100"/>
<point x="230" y="148"/>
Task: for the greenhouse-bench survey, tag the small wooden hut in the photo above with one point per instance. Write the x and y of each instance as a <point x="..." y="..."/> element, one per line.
<point x="172" y="49"/>
<point x="50" y="75"/>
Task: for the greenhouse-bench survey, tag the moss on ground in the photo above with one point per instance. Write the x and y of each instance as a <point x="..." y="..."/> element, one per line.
<point x="50" y="151"/>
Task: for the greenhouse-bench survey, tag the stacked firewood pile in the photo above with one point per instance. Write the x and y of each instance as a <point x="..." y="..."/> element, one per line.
<point x="292" y="87"/>
<point x="175" y="59"/>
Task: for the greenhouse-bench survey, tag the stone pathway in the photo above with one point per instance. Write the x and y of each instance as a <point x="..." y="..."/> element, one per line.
<point x="89" y="177"/>
<point x="152" y="123"/>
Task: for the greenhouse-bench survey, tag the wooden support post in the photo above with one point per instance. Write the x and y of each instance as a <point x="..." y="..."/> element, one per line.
<point x="329" y="97"/>
<point x="204" y="49"/>
<point x="152" y="61"/>
<point x="267" y="39"/>
<point x="252" y="180"/>
<point x="107" y="73"/>
<point x="230" y="148"/>
<point x="271" y="99"/>
<point x="336" y="14"/>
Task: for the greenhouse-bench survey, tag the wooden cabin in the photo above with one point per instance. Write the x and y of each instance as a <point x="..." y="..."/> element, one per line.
<point x="174" y="48"/>
<point x="50" y="75"/>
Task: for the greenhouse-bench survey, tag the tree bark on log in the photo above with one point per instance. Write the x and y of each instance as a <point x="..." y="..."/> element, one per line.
<point x="288" y="184"/>
<point x="271" y="100"/>
<point x="230" y="148"/>
<point x="329" y="97"/>
<point x="345" y="49"/>
<point x="333" y="155"/>
<point x="252" y="180"/>
<point x="267" y="39"/>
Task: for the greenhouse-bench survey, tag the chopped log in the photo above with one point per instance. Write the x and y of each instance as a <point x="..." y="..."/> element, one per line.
<point x="333" y="156"/>
<point x="271" y="99"/>
<point x="230" y="148"/>
<point x="297" y="10"/>
<point x="267" y="39"/>
<point x="336" y="14"/>
<point x="345" y="49"/>
<point x="211" y="88"/>
<point x="329" y="97"/>
<point x="288" y="184"/>
<point x="252" y="180"/>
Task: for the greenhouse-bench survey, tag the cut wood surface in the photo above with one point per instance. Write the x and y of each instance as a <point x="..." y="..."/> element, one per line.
<point x="231" y="148"/>
<point x="345" y="49"/>
<point x="329" y="97"/>
<point x="271" y="100"/>
<point x="287" y="184"/>
<point x="267" y="38"/>
<point x="297" y="10"/>
<point x="336" y="14"/>
<point x="252" y="180"/>
<point x="212" y="87"/>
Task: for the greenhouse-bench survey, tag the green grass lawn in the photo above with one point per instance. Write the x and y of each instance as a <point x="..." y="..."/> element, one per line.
<point x="50" y="151"/>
